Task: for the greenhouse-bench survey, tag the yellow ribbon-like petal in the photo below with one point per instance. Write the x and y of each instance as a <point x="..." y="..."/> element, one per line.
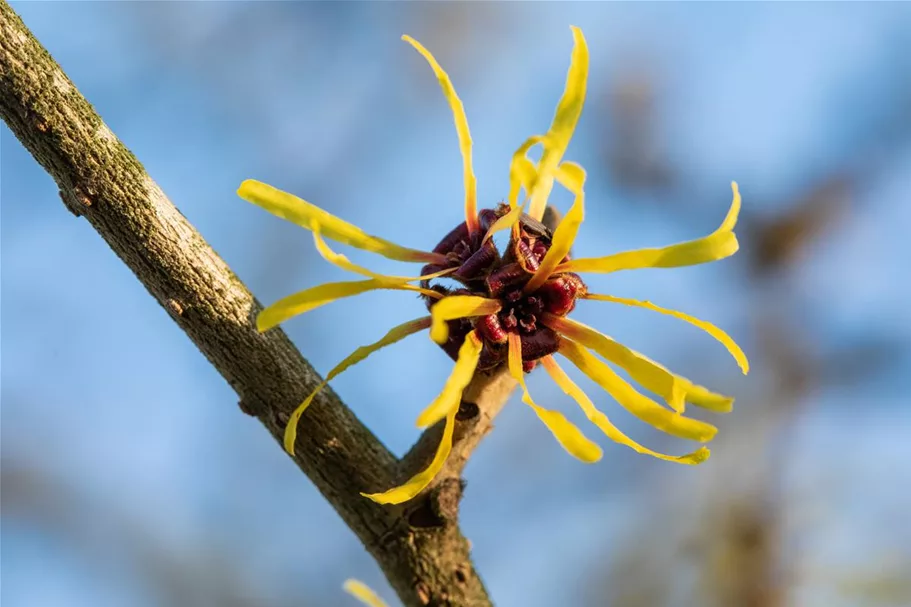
<point x="461" y="124"/>
<point x="394" y="335"/>
<point x="504" y="223"/>
<point x="564" y="123"/>
<point x="448" y="403"/>
<point x="604" y="424"/>
<point x="461" y="375"/>
<point x="320" y="295"/>
<point x="363" y="593"/>
<point x="573" y="176"/>
<point x="522" y="171"/>
<point x="642" y="407"/>
<point x="418" y="482"/>
<point x="719" y="244"/>
<point x="299" y="211"/>
<point x="337" y="259"/>
<point x="566" y="433"/>
<point x="649" y="374"/>
<point x="723" y="338"/>
<point x="458" y="306"/>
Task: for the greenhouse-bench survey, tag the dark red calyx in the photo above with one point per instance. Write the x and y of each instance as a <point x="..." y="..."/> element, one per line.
<point x="474" y="266"/>
<point x="491" y="329"/>
<point x="560" y="293"/>
<point x="483" y="272"/>
<point x="526" y="256"/>
<point x="504" y="277"/>
<point x="456" y="235"/>
<point x="487" y="217"/>
<point x="467" y="251"/>
<point x="542" y="342"/>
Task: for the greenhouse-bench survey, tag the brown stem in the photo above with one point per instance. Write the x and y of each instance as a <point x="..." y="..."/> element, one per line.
<point x="100" y="179"/>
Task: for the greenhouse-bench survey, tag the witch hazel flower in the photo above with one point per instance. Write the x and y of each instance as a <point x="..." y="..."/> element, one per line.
<point x="491" y="309"/>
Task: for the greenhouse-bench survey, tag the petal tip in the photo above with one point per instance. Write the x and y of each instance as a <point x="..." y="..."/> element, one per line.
<point x="708" y="434"/>
<point x="439" y="333"/>
<point x="700" y="456"/>
<point x="594" y="458"/>
<point x="244" y="187"/>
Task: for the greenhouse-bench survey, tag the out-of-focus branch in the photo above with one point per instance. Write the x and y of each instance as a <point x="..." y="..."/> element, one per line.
<point x="100" y="179"/>
<point x="776" y="243"/>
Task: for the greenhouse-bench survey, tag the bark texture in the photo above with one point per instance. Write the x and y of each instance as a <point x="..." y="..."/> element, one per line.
<point x="419" y="545"/>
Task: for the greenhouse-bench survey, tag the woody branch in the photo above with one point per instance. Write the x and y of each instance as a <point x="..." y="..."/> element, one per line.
<point x="425" y="558"/>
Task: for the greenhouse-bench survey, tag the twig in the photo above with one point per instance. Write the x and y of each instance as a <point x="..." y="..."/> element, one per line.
<point x="100" y="179"/>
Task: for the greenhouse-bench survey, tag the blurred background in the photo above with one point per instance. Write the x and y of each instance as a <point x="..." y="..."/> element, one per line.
<point x="131" y="478"/>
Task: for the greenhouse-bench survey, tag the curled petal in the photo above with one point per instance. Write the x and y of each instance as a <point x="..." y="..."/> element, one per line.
<point x="522" y="171"/>
<point x="642" y="407"/>
<point x="705" y="398"/>
<point x="337" y="259"/>
<point x="604" y="424"/>
<point x="571" y="176"/>
<point x="566" y="433"/>
<point x="564" y="123"/>
<point x="461" y="124"/>
<point x="458" y="306"/>
<point x="723" y="338"/>
<point x="461" y="375"/>
<point x="719" y="244"/>
<point x="314" y="297"/>
<point x="299" y="211"/>
<point x="650" y="375"/>
<point x="419" y="481"/>
<point x="363" y="593"/>
<point x="505" y="222"/>
<point x="394" y="335"/>
<point x="565" y="234"/>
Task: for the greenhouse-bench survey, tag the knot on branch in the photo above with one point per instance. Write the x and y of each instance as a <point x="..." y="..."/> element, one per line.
<point x="75" y="200"/>
<point x="438" y="507"/>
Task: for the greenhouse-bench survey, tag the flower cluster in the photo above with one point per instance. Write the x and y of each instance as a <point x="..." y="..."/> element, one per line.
<point x="511" y="308"/>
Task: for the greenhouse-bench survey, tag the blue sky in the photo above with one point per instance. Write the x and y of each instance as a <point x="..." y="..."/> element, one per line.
<point x="104" y="394"/>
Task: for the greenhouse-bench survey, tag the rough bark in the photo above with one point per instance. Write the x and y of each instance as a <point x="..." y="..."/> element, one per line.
<point x="426" y="560"/>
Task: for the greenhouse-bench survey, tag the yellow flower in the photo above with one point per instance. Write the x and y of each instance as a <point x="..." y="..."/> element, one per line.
<point x="512" y="308"/>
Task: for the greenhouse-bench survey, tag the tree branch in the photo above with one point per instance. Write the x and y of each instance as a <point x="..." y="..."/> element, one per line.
<point x="100" y="179"/>
<point x="482" y="400"/>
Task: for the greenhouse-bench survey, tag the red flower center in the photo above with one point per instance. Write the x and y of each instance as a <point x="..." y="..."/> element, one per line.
<point x="483" y="271"/>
